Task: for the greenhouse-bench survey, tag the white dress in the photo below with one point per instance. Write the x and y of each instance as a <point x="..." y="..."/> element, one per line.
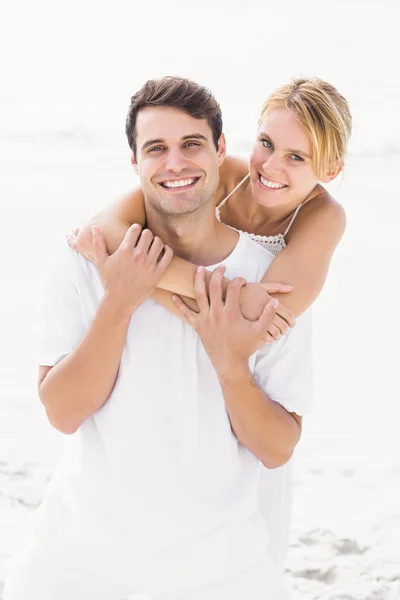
<point x="276" y="485"/>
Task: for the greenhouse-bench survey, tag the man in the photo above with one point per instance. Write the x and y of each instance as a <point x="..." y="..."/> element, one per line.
<point x="158" y="490"/>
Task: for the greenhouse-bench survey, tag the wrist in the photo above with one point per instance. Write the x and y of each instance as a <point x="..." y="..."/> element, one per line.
<point x="234" y="372"/>
<point x="113" y="305"/>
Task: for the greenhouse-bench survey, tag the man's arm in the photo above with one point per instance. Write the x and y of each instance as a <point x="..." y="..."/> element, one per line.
<point x="266" y="425"/>
<point x="260" y="424"/>
<point x="81" y="383"/>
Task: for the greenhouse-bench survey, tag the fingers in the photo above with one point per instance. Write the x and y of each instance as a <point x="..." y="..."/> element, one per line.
<point x="99" y="246"/>
<point x="277" y="288"/>
<point x="280" y="324"/>
<point x="131" y="236"/>
<point x="187" y="313"/>
<point x="266" y="318"/>
<point x="286" y="314"/>
<point x="156" y="249"/>
<point x="165" y="259"/>
<point x="233" y="294"/>
<point x="145" y="240"/>
<point x="274" y="331"/>
<point x="215" y="289"/>
<point x="71" y="240"/>
<point x="200" y="290"/>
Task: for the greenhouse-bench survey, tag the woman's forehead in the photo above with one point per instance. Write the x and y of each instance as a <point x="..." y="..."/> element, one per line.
<point x="285" y="130"/>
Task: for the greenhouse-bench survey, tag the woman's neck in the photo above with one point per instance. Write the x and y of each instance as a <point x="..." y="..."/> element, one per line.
<point x="242" y="212"/>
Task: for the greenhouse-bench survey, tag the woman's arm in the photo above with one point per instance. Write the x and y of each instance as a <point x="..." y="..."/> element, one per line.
<point x="113" y="221"/>
<point x="311" y="242"/>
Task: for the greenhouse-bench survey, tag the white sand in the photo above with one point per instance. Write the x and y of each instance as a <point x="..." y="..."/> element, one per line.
<point x="346" y="521"/>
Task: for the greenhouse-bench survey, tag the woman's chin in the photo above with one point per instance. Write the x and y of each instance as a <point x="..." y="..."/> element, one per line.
<point x="267" y="199"/>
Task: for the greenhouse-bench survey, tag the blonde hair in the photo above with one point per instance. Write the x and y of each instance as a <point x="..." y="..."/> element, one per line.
<point x="324" y="114"/>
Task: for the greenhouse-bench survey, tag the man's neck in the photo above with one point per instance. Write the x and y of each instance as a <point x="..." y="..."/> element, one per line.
<point x="198" y="237"/>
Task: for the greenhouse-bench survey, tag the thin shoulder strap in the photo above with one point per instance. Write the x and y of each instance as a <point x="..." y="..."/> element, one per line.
<point x="292" y="219"/>
<point x="233" y="191"/>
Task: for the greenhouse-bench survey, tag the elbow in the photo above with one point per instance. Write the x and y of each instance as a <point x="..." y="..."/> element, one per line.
<point x="62" y="424"/>
<point x="57" y="419"/>
<point x="274" y="461"/>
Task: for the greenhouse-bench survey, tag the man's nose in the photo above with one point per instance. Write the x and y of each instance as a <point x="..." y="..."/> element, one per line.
<point x="176" y="160"/>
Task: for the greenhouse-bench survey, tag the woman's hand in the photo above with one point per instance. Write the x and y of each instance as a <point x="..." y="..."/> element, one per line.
<point x="227" y="336"/>
<point x="85" y="248"/>
<point x="255" y="296"/>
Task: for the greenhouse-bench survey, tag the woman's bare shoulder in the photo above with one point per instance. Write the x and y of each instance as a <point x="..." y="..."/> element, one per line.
<point x="320" y="212"/>
<point x="324" y="205"/>
<point x="234" y="168"/>
<point x="231" y="172"/>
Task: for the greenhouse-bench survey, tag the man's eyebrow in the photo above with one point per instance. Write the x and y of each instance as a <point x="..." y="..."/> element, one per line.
<point x="151" y="142"/>
<point x="193" y="136"/>
<point x="288" y="149"/>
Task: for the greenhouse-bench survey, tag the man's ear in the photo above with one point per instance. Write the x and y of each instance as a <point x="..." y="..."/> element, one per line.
<point x="134" y="163"/>
<point x="333" y="172"/>
<point x="221" y="149"/>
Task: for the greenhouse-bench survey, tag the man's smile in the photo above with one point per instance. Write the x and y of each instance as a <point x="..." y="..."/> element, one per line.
<point x="179" y="184"/>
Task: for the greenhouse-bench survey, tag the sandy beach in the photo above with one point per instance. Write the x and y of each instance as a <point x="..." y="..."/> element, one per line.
<point x="346" y="516"/>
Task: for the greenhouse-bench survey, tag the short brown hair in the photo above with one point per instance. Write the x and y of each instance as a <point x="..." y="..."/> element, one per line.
<point x="176" y="92"/>
<point x="323" y="112"/>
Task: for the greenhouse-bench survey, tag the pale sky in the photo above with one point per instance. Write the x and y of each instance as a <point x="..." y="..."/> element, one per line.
<point x="79" y="61"/>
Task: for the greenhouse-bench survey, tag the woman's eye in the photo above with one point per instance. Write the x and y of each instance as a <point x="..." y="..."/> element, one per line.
<point x="296" y="157"/>
<point x="267" y="143"/>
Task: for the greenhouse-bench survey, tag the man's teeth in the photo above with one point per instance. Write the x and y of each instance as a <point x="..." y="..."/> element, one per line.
<point x="271" y="184"/>
<point x="180" y="183"/>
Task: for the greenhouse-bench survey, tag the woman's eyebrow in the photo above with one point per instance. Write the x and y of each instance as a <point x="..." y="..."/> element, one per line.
<point x="291" y="150"/>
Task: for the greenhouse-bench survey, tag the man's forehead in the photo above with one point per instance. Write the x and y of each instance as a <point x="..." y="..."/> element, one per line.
<point x="168" y="123"/>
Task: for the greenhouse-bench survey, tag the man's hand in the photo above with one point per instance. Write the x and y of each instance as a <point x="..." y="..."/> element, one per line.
<point x="130" y="275"/>
<point x="253" y="299"/>
<point x="227" y="336"/>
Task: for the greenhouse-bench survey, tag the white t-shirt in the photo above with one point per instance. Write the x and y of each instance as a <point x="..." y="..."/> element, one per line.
<point x="156" y="476"/>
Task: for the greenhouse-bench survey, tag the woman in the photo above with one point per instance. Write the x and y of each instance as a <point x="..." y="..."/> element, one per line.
<point x="301" y="141"/>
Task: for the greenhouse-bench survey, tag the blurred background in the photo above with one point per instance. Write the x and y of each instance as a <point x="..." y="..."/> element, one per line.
<point x="67" y="73"/>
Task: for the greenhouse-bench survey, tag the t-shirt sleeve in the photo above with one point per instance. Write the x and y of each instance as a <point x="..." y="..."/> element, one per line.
<point x="284" y="368"/>
<point x="62" y="317"/>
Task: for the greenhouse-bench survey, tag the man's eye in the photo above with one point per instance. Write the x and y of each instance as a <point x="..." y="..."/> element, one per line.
<point x="267" y="143"/>
<point x="192" y="144"/>
<point x="156" y="149"/>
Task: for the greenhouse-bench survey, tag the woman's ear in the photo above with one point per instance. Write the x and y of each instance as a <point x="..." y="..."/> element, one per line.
<point x="333" y="172"/>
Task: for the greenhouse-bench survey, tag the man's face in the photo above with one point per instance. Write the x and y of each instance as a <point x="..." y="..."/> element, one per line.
<point x="176" y="160"/>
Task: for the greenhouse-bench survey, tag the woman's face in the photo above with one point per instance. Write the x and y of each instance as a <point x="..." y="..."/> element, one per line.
<point x="281" y="162"/>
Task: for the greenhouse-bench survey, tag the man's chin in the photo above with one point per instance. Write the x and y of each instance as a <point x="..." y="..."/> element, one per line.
<point x="179" y="207"/>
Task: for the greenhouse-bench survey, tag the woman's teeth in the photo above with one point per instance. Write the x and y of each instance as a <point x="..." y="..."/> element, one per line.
<point x="271" y="184"/>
